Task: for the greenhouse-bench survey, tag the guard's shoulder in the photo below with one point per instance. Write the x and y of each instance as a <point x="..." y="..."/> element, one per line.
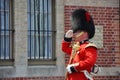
<point x="91" y="45"/>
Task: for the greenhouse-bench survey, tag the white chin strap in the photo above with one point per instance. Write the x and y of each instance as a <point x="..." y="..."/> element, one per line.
<point x="81" y="33"/>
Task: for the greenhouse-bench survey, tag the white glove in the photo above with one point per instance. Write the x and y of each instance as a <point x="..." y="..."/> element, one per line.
<point x="68" y="68"/>
<point x="69" y="34"/>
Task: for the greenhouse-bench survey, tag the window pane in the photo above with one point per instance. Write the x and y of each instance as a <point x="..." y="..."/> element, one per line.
<point x="40" y="30"/>
<point x="5" y="30"/>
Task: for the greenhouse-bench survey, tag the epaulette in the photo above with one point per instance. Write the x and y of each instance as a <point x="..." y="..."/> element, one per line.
<point x="91" y="45"/>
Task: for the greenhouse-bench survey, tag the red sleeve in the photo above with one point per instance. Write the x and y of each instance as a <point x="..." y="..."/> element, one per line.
<point x="90" y="59"/>
<point x="66" y="47"/>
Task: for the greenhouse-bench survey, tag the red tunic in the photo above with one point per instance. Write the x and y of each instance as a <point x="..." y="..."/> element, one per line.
<point x="85" y="56"/>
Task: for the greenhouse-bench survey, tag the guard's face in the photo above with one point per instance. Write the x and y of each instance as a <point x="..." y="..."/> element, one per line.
<point x="74" y="25"/>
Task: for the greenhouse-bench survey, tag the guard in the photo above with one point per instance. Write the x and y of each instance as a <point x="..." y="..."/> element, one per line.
<point x="83" y="53"/>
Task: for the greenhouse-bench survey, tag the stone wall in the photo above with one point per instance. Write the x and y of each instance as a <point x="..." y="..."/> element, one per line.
<point x="20" y="67"/>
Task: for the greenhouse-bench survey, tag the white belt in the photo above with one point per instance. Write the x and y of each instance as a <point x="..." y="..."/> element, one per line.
<point x="90" y="75"/>
<point x="87" y="75"/>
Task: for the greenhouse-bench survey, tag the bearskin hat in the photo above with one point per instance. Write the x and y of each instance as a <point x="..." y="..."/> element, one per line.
<point x="82" y="20"/>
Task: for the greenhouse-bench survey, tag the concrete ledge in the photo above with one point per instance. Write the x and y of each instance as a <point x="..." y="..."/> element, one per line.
<point x="109" y="71"/>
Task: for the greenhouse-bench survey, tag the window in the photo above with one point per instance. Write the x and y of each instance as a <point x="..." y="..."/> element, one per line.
<point x="41" y="31"/>
<point x="6" y="32"/>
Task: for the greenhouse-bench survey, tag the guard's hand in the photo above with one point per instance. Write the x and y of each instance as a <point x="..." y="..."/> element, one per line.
<point x="69" y="68"/>
<point x="69" y="34"/>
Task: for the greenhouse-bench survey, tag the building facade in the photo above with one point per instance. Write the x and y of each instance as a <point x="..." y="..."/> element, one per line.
<point x="31" y="32"/>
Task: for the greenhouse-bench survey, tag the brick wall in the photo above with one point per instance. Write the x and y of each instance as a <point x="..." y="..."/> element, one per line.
<point x="60" y="78"/>
<point x="108" y="17"/>
<point x="107" y="78"/>
<point x="35" y="78"/>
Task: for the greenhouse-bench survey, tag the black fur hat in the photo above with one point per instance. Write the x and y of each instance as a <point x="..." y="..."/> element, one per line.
<point x="81" y="20"/>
